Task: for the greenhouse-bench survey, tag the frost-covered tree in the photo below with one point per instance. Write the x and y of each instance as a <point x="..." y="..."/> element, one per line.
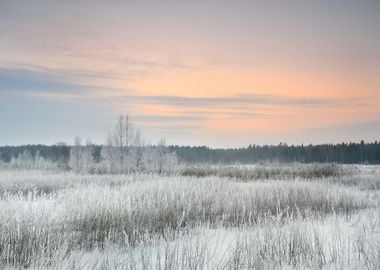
<point x="158" y="158"/>
<point x="167" y="160"/>
<point x="41" y="163"/>
<point x="82" y="157"/>
<point x="76" y="155"/>
<point x="119" y="135"/>
<point x="136" y="154"/>
<point x="23" y="161"/>
<point x="116" y="154"/>
<point x="26" y="161"/>
<point x="125" y="151"/>
<point x="118" y="146"/>
<point x="2" y="162"/>
<point x="161" y="152"/>
<point x="108" y="156"/>
<point x="87" y="158"/>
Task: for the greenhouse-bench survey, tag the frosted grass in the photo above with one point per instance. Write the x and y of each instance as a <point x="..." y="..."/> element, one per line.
<point x="52" y="218"/>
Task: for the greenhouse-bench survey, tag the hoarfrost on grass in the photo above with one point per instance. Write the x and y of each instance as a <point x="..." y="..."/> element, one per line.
<point x="147" y="221"/>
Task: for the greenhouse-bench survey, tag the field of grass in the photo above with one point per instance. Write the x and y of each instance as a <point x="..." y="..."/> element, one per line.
<point x="267" y="217"/>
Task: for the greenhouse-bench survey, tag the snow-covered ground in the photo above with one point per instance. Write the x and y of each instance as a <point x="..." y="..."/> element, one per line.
<point x="333" y="243"/>
<point x="69" y="221"/>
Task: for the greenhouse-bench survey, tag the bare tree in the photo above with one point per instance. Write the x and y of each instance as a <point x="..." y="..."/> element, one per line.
<point x="88" y="157"/>
<point x="161" y="154"/>
<point x="119" y="140"/>
<point x="108" y="157"/>
<point x="2" y="163"/>
<point x="125" y="151"/>
<point x="23" y="160"/>
<point x="138" y="146"/>
<point x="115" y="153"/>
<point x="75" y="155"/>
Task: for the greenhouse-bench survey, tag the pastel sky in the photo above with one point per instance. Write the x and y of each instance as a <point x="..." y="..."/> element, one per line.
<point x="218" y="73"/>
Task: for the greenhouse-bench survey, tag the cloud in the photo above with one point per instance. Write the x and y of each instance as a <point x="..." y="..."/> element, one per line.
<point x="234" y="114"/>
<point x="35" y="80"/>
<point x="243" y="98"/>
<point x="162" y="119"/>
<point x="164" y="113"/>
<point x="53" y="83"/>
<point x="45" y="81"/>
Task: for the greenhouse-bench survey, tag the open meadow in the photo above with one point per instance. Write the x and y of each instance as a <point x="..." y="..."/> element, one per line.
<point x="189" y="135"/>
<point x="217" y="217"/>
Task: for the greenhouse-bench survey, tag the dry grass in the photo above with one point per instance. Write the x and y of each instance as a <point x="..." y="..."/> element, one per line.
<point x="48" y="219"/>
<point x="44" y="182"/>
<point x="246" y="173"/>
<point x="332" y="244"/>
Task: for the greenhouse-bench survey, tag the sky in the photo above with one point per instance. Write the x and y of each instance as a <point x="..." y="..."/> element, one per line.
<point x="211" y="72"/>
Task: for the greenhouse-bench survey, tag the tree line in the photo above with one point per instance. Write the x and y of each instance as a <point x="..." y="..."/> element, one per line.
<point x="345" y="153"/>
<point x="126" y="151"/>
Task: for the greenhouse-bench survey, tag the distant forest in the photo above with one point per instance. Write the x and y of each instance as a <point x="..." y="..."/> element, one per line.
<point x="348" y="153"/>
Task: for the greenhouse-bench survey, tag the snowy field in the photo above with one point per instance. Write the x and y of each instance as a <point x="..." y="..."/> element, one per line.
<point x="232" y="217"/>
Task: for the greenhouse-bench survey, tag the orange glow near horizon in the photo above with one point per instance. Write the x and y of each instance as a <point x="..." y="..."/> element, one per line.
<point x="196" y="70"/>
